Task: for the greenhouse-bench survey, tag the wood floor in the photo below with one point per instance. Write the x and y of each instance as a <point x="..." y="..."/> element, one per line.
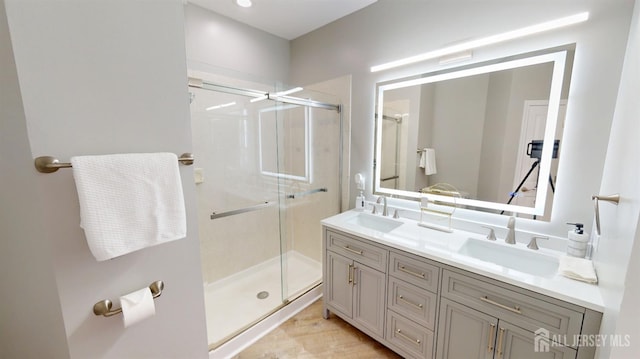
<point x="307" y="335"/>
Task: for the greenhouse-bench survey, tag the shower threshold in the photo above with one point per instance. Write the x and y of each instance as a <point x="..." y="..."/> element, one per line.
<point x="238" y="302"/>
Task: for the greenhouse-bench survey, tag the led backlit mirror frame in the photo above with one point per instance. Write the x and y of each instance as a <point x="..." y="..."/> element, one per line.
<point x="557" y="58"/>
<point x="277" y="114"/>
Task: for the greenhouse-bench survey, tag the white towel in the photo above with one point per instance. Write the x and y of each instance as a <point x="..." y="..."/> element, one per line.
<point x="428" y="161"/>
<point x="577" y="268"/>
<point x="129" y="201"/>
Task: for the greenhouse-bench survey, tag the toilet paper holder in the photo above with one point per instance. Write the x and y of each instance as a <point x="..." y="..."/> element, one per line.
<point x="103" y="307"/>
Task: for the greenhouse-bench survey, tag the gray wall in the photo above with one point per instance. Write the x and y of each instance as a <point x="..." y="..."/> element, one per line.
<point x="30" y="316"/>
<point x="97" y="77"/>
<point x="223" y="46"/>
<point x="389" y="30"/>
<point x="616" y="260"/>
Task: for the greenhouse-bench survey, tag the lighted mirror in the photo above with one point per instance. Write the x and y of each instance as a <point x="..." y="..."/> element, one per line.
<point x="281" y="130"/>
<point x="493" y="131"/>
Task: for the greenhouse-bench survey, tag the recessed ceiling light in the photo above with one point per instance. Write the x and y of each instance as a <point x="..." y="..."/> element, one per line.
<point x="244" y="3"/>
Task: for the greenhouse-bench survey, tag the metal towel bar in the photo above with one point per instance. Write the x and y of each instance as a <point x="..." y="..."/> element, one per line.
<point x="614" y="198"/>
<point x="103" y="307"/>
<point x="49" y="164"/>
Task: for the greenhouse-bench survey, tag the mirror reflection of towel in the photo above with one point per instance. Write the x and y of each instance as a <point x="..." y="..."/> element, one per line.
<point x="428" y="161"/>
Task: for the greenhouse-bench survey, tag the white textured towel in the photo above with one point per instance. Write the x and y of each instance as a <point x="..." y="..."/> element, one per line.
<point x="428" y="161"/>
<point x="129" y="201"/>
<point x="578" y="268"/>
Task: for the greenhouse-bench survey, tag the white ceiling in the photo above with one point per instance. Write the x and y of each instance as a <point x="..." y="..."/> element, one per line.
<point x="285" y="18"/>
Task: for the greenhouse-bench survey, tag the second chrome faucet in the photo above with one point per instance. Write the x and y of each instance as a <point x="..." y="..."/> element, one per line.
<point x="511" y="231"/>
<point x="383" y="200"/>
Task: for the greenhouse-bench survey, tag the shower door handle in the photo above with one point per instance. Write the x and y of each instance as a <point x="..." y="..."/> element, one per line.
<point x="234" y="212"/>
<point x="306" y="193"/>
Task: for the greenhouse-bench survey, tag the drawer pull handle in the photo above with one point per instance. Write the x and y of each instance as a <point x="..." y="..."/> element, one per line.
<point x="416" y="274"/>
<point x="419" y="306"/>
<point x="515" y="309"/>
<point x="406" y="337"/>
<point x="491" y="334"/>
<point x="500" y="343"/>
<point x="352" y="250"/>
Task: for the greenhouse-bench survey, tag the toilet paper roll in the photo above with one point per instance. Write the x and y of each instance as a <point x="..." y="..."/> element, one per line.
<point x="137" y="306"/>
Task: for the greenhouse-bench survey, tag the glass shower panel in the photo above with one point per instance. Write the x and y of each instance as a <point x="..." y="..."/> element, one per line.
<point x="238" y="212"/>
<point x="309" y="162"/>
<point x="266" y="173"/>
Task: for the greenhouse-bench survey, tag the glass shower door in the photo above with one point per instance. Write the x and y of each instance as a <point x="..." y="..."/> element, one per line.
<point x="310" y="186"/>
<point x="238" y="213"/>
<point x="266" y="173"/>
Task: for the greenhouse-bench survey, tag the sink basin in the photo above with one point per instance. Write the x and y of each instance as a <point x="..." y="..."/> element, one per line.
<point x="522" y="260"/>
<point x="376" y="223"/>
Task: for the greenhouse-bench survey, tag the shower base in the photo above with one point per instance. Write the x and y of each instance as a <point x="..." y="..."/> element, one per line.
<point x="236" y="302"/>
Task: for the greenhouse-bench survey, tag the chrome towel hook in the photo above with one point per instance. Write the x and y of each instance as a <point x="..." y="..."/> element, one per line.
<point x="614" y="198"/>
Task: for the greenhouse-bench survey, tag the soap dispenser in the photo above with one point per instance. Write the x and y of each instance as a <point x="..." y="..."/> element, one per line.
<point x="578" y="241"/>
<point x="360" y="201"/>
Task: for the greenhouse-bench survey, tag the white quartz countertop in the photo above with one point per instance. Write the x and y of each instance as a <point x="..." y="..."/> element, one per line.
<point x="444" y="248"/>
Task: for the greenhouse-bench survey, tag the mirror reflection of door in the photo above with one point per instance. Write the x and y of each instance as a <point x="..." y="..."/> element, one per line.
<point x="391" y="145"/>
<point x="534" y="120"/>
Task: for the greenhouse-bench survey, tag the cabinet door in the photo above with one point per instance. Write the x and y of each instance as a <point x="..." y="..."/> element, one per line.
<point x="338" y="284"/>
<point x="465" y="333"/>
<point x="517" y="343"/>
<point x="369" y="306"/>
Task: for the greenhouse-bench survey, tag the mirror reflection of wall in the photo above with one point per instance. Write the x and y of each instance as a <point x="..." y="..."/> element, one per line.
<point x="479" y="128"/>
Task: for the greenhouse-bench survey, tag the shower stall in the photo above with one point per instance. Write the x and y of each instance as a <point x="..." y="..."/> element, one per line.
<point x="267" y="170"/>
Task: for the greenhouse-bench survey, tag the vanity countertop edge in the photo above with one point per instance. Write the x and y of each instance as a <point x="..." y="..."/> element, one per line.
<point x="441" y="248"/>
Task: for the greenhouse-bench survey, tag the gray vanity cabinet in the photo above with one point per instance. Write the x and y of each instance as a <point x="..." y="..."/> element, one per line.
<point x="423" y="309"/>
<point x="472" y="307"/>
<point x="467" y="333"/>
<point x="354" y="285"/>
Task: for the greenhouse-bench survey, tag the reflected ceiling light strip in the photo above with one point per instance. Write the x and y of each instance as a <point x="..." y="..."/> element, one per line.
<point x="494" y="39"/>
<point x="277" y="94"/>
<point x="289" y="92"/>
<point x="259" y="98"/>
<point x="220" y="106"/>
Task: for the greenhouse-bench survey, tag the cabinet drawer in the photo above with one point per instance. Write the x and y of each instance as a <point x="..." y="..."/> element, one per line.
<point x="414" y="271"/>
<point x="407" y="338"/>
<point x="412" y="302"/>
<point x="522" y="310"/>
<point x="362" y="252"/>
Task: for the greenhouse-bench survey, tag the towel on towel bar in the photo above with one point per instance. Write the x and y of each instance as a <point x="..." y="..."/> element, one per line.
<point x="428" y="161"/>
<point x="129" y="201"/>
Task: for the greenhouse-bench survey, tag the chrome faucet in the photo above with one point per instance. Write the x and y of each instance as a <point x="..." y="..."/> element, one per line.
<point x="533" y="244"/>
<point x="383" y="199"/>
<point x="492" y="234"/>
<point x="511" y="233"/>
